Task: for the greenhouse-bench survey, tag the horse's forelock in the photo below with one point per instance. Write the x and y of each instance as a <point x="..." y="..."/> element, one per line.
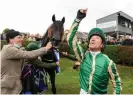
<point x="57" y="26"/>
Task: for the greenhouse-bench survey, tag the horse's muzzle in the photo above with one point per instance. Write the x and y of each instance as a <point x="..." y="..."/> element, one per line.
<point x="55" y="43"/>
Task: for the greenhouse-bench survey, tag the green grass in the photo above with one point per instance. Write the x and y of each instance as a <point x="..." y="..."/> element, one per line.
<point x="67" y="81"/>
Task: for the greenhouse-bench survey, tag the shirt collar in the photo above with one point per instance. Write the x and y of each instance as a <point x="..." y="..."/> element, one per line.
<point x="95" y="53"/>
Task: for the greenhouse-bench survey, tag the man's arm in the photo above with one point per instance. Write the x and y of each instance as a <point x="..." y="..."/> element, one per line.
<point x="69" y="56"/>
<point x="41" y="64"/>
<point x="115" y="79"/>
<point x="15" y="53"/>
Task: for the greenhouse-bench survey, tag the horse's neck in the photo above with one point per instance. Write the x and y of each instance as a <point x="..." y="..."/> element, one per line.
<point x="49" y="57"/>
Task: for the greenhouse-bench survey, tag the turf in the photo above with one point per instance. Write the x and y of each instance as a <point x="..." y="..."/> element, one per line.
<point x="67" y="81"/>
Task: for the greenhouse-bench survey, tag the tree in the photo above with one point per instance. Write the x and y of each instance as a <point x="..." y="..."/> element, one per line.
<point x="5" y="30"/>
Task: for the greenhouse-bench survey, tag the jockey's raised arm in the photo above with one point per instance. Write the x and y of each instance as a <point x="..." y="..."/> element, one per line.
<point x="72" y="38"/>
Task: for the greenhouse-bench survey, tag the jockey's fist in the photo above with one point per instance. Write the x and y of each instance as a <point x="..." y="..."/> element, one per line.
<point x="81" y="14"/>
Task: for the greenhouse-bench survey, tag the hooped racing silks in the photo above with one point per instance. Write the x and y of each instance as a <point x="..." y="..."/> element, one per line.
<point x="95" y="71"/>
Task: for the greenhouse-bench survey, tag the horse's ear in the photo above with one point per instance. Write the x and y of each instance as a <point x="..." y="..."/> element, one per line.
<point x="63" y="20"/>
<point x="53" y="18"/>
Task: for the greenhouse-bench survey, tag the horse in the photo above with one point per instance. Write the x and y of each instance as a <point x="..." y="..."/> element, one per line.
<point x="54" y="34"/>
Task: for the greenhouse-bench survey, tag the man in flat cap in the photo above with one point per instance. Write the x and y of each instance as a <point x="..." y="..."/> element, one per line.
<point x="12" y="62"/>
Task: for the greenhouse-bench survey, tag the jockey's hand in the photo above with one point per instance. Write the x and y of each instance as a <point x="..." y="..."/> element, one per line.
<point x="77" y="64"/>
<point x="48" y="46"/>
<point x="81" y="14"/>
<point x="65" y="53"/>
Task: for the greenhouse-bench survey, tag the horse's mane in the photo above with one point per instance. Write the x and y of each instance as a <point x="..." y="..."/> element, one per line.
<point x="45" y="39"/>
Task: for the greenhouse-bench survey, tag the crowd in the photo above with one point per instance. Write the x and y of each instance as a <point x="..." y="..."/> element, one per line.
<point x="27" y="36"/>
<point x="123" y="40"/>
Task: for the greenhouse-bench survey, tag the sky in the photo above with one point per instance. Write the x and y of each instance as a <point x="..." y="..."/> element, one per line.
<point x="35" y="16"/>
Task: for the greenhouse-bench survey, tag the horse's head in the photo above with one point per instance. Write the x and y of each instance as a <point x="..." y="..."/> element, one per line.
<point x="56" y="30"/>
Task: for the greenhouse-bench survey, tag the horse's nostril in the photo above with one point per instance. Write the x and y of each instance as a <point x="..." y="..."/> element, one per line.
<point x="56" y="42"/>
<point x="53" y="39"/>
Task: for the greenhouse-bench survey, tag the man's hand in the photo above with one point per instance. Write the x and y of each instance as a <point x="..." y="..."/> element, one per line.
<point x="81" y="14"/>
<point x="48" y="46"/>
<point x="57" y="63"/>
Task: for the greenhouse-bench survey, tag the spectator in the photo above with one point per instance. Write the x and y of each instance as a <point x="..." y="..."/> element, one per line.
<point x="127" y="41"/>
<point x="12" y="62"/>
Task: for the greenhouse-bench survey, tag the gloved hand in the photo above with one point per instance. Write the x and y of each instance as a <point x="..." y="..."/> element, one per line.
<point x="81" y="14"/>
<point x="76" y="65"/>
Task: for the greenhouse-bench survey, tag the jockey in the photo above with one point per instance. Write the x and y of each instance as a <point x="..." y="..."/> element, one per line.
<point x="95" y="67"/>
